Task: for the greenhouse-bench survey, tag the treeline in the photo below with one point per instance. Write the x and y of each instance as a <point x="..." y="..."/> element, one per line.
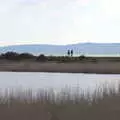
<point x="27" y="56"/>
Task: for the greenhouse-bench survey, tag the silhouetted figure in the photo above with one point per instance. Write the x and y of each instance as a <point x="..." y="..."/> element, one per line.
<point x="71" y="52"/>
<point x="68" y="52"/>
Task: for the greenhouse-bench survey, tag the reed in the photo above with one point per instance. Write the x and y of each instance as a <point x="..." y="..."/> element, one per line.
<point x="102" y="104"/>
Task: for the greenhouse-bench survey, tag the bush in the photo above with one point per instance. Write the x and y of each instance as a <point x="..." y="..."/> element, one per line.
<point x="82" y="57"/>
<point x="42" y="58"/>
<point x="26" y="56"/>
<point x="10" y="56"/>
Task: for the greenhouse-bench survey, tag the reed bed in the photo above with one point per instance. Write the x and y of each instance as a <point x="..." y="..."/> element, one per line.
<point x="102" y="104"/>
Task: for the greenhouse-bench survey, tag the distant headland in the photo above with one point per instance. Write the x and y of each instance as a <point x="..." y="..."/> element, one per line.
<point x="110" y="49"/>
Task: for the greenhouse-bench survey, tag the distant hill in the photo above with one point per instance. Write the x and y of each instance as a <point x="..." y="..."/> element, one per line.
<point x="81" y="48"/>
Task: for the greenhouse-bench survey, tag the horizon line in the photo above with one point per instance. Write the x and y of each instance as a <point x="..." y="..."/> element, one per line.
<point x="59" y="44"/>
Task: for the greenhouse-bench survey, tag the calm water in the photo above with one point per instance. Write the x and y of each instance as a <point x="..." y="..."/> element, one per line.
<point x="56" y="81"/>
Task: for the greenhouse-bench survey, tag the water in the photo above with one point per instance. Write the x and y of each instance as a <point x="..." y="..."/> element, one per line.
<point x="56" y="81"/>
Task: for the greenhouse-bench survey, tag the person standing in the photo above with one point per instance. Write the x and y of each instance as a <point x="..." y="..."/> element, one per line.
<point x="71" y="53"/>
<point x="68" y="52"/>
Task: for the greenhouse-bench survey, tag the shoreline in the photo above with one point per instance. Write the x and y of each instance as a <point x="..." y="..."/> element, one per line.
<point x="88" y="67"/>
<point x="100" y="73"/>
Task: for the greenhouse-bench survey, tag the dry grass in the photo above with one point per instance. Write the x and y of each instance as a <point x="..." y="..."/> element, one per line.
<point x="89" y="67"/>
<point x="64" y="64"/>
<point x="103" y="104"/>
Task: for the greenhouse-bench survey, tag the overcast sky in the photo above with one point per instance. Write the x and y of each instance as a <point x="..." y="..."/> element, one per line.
<point x="59" y="21"/>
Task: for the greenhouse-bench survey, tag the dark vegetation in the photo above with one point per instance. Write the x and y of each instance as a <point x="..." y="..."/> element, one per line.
<point x="42" y="58"/>
<point x="16" y="56"/>
<point x="67" y="58"/>
<point x="103" y="104"/>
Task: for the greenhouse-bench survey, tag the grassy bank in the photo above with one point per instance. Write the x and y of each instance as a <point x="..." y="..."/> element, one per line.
<point x="104" y="104"/>
<point x="13" y="56"/>
<point x="74" y="67"/>
<point x="26" y="62"/>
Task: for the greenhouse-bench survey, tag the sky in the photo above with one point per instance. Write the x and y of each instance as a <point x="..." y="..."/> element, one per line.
<point x="59" y="21"/>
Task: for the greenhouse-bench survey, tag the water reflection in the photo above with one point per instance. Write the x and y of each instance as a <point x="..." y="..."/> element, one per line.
<point x="55" y="81"/>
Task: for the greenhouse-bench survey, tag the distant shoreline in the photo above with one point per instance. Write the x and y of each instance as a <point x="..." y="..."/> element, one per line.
<point x="26" y="62"/>
<point x="74" y="67"/>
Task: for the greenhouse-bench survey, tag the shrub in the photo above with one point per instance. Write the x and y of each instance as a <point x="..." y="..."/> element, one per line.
<point x="42" y="58"/>
<point x="82" y="57"/>
<point x="10" y="56"/>
<point x="26" y="56"/>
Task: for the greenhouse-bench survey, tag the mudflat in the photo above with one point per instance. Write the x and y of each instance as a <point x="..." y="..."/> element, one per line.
<point x="103" y="67"/>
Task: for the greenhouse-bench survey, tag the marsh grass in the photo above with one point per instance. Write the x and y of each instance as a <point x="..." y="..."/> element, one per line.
<point x="102" y="104"/>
